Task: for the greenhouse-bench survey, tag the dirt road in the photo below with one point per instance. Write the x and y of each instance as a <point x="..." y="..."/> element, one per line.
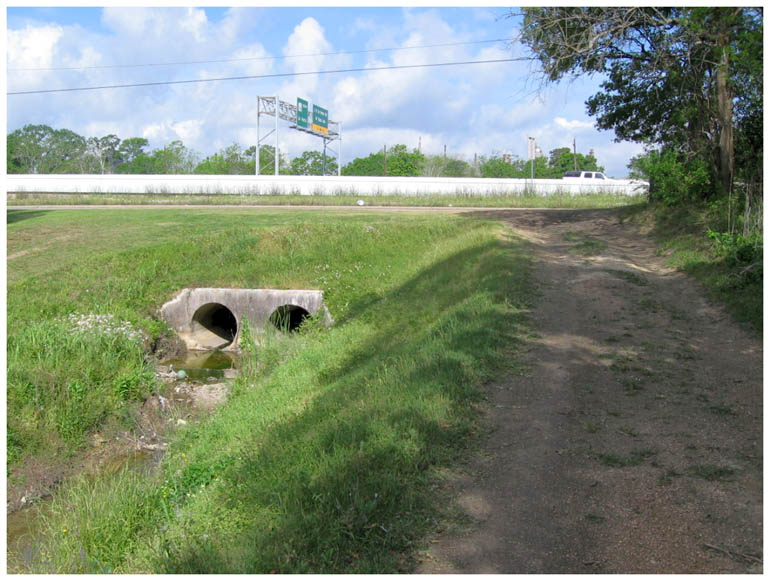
<point x="633" y="443"/>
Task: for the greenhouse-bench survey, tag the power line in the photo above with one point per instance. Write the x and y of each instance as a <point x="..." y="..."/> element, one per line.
<point x="274" y="75"/>
<point x="266" y="58"/>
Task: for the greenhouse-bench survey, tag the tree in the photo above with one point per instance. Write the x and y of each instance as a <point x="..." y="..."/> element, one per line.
<point x="562" y="159"/>
<point x="668" y="71"/>
<point x="40" y="149"/>
<point x="440" y="166"/>
<point x="101" y="154"/>
<point x="228" y="161"/>
<point x="141" y="164"/>
<point x="267" y="160"/>
<point x="497" y="167"/>
<point x="672" y="180"/>
<point x="310" y="163"/>
<point x="175" y="158"/>
<point x="397" y="161"/>
<point x="131" y="148"/>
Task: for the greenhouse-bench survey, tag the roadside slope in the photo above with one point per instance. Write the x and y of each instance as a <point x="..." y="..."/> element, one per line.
<point x="634" y="442"/>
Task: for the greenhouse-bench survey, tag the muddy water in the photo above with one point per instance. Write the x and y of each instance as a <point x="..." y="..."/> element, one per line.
<point x="25" y="527"/>
<point x="200" y="365"/>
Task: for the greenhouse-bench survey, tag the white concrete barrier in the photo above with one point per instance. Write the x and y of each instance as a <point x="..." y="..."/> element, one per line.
<point x="307" y="185"/>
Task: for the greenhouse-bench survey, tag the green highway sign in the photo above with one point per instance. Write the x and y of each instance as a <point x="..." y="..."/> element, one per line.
<point x="320" y="119"/>
<point x="302" y="111"/>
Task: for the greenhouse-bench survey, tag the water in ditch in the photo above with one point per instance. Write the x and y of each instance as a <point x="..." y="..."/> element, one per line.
<point x="201" y="365"/>
<point x="25" y="526"/>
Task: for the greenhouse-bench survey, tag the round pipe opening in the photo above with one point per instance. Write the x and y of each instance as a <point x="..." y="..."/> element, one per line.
<point x="288" y="318"/>
<point x="217" y="319"/>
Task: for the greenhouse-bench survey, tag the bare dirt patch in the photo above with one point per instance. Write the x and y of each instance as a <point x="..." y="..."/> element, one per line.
<point x="633" y="443"/>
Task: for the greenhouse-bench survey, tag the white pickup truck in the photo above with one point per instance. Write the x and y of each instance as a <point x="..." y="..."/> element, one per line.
<point x="594" y="180"/>
<point x="585" y="175"/>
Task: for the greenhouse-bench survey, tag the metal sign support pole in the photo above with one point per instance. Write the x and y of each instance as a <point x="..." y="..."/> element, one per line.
<point x="323" y="160"/>
<point x="277" y="115"/>
<point x="339" y="147"/>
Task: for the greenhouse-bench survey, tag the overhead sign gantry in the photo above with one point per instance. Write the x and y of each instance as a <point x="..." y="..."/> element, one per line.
<point x="299" y="118"/>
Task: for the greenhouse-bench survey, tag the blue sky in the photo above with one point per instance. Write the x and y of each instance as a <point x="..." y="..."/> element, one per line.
<point x="482" y="109"/>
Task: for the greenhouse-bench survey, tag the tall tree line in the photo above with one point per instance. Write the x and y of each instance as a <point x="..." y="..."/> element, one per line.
<point x="40" y="149"/>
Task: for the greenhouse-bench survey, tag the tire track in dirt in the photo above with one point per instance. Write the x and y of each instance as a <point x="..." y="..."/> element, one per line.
<point x="633" y="444"/>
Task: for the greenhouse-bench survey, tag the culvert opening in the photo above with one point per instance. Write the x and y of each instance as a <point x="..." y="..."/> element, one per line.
<point x="288" y="317"/>
<point x="215" y="325"/>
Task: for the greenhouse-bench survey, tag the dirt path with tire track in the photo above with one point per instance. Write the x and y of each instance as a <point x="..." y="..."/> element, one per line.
<point x="633" y="443"/>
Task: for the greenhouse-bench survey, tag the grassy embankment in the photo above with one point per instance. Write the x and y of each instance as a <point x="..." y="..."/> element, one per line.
<point x="437" y="200"/>
<point x="324" y="457"/>
<point x="730" y="268"/>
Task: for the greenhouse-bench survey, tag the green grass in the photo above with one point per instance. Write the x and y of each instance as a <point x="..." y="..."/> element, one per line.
<point x="429" y="200"/>
<point x="712" y="473"/>
<point x="585" y="245"/>
<point x="64" y="381"/>
<point x="682" y="235"/>
<point x="324" y="457"/>
<point x="631" y="277"/>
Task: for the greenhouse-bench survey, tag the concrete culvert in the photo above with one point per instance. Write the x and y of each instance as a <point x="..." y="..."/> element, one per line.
<point x="288" y="317"/>
<point x="210" y="318"/>
<point x="214" y="326"/>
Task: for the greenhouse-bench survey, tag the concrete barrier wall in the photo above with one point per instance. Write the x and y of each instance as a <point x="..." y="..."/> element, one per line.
<point x="307" y="185"/>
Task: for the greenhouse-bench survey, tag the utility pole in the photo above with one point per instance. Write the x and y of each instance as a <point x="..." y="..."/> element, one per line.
<point x="531" y="155"/>
<point x="574" y="153"/>
<point x="445" y="152"/>
<point x="419" y="143"/>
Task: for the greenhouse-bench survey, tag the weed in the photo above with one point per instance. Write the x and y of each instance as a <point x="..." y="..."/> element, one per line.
<point x="686" y="353"/>
<point x="629" y="432"/>
<point x="595" y="518"/>
<point x="668" y="477"/>
<point x="585" y="245"/>
<point x="632" y="385"/>
<point x="632" y="459"/>
<point x="629" y="276"/>
<point x="591" y="427"/>
<point x="649" y="304"/>
<point x="712" y="473"/>
<point x="722" y="410"/>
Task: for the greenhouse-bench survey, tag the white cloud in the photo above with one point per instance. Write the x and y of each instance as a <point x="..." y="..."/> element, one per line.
<point x="195" y="23"/>
<point x="307" y="38"/>
<point x="136" y="21"/>
<point x="33" y="46"/>
<point x="574" y="125"/>
<point x="170" y="130"/>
